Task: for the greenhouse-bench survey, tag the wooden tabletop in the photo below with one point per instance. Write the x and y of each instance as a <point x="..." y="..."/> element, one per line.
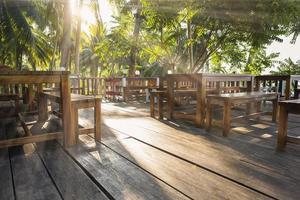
<point x="243" y="95"/>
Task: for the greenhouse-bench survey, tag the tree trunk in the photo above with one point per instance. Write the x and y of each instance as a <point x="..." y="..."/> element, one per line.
<point x="77" y="42"/>
<point x="136" y="33"/>
<point x="66" y="39"/>
<point x="191" y="53"/>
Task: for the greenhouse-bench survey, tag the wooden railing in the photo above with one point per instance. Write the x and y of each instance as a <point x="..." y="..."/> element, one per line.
<point x="138" y="88"/>
<point x="283" y="84"/>
<point x="113" y="88"/>
<point x="87" y="85"/>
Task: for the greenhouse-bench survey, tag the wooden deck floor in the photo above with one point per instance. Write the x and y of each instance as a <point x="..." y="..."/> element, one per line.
<point x="143" y="158"/>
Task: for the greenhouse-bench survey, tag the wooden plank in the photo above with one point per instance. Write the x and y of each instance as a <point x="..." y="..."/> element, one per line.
<point x="6" y="182"/>
<point x="221" y="158"/>
<point x="71" y="181"/>
<point x="31" y="180"/>
<point x="30" y="176"/>
<point x="196" y="182"/>
<point x="30" y="139"/>
<point x="121" y="178"/>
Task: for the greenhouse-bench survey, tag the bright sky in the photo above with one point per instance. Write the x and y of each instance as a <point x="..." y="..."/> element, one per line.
<point x="286" y="49"/>
<point x="106" y="11"/>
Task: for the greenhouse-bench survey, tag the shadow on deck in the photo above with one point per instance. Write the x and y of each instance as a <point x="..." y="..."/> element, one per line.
<point x="143" y="158"/>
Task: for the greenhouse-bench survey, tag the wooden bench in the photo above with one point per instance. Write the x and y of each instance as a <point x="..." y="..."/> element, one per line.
<point x="77" y="102"/>
<point x="233" y="99"/>
<point x="286" y="107"/>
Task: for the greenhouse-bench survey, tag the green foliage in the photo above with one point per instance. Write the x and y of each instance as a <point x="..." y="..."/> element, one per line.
<point x="22" y="34"/>
<point x="226" y="36"/>
<point x="288" y="67"/>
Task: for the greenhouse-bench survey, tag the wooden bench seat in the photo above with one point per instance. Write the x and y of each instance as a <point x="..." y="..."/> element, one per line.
<point x="286" y="107"/>
<point x="233" y="99"/>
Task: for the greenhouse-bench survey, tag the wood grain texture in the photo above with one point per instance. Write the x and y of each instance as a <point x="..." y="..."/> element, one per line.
<point x="234" y="158"/>
<point x="6" y="182"/>
<point x="121" y="178"/>
<point x="71" y="181"/>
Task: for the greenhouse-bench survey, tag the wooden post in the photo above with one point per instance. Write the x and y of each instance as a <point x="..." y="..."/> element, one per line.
<point x="282" y="128"/>
<point x="274" y="111"/>
<point x="170" y="97"/>
<point x="160" y="105"/>
<point x="208" y="115"/>
<point x="152" y="112"/>
<point x="97" y="119"/>
<point x="296" y="90"/>
<point x="31" y="97"/>
<point x="280" y="87"/>
<point x="43" y="108"/>
<point x="69" y="134"/>
<point x="227" y="118"/>
<point x="249" y="89"/>
<point x="201" y="96"/>
<point x="288" y="88"/>
<point x="74" y="121"/>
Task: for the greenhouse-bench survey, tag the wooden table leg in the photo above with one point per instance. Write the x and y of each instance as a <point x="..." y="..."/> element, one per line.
<point x="282" y="128"/>
<point x="43" y="109"/>
<point x="74" y="121"/>
<point x="226" y="118"/>
<point x="97" y="116"/>
<point x="208" y="116"/>
<point x="258" y="108"/>
<point x="274" y="111"/>
<point x="152" y="105"/>
<point x="160" y="106"/>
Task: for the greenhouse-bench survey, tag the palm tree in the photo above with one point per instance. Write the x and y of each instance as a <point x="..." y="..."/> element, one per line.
<point x="66" y="37"/>
<point x="21" y="34"/>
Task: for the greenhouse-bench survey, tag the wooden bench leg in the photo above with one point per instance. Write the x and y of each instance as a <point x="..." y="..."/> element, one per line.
<point x="97" y="117"/>
<point x="282" y="128"/>
<point x="74" y="122"/>
<point x="226" y="118"/>
<point x="152" y="105"/>
<point x="208" y="116"/>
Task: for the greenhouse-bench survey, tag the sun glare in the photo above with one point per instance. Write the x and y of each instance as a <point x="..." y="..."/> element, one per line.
<point x="88" y="16"/>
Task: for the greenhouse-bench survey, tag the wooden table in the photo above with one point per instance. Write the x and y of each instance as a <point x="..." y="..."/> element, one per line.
<point x="233" y="99"/>
<point x="286" y="107"/>
<point x="77" y="102"/>
<point x="200" y="85"/>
